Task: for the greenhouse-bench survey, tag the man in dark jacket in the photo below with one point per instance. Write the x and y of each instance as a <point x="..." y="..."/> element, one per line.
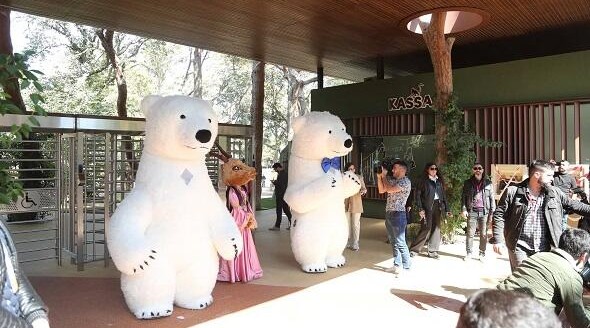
<point x="20" y="306"/>
<point x="478" y="206"/>
<point x="280" y="187"/>
<point x="566" y="183"/>
<point x="528" y="217"/>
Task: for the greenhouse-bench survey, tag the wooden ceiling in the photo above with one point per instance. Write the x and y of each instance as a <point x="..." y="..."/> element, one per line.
<point x="345" y="37"/>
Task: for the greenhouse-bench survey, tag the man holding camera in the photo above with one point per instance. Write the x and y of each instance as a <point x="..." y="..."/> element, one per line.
<point x="398" y="187"/>
<point x="554" y="278"/>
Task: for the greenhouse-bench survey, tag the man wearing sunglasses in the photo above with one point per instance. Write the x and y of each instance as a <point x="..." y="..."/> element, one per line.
<point x="478" y="206"/>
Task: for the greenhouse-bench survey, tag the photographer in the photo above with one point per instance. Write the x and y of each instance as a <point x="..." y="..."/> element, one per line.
<point x="554" y="277"/>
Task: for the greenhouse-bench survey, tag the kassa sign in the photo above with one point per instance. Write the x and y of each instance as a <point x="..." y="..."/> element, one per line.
<point x="415" y="100"/>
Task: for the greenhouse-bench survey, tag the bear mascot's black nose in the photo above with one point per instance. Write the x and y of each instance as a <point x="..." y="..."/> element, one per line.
<point x="203" y="136"/>
<point x="348" y="143"/>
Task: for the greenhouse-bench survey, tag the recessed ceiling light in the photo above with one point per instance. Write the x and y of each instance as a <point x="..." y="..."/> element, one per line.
<point x="456" y="20"/>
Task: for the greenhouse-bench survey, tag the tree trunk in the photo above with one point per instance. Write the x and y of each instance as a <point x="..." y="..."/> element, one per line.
<point x="106" y="40"/>
<point x="439" y="48"/>
<point x="13" y="89"/>
<point x="256" y="110"/>
<point x="31" y="169"/>
<point x="199" y="56"/>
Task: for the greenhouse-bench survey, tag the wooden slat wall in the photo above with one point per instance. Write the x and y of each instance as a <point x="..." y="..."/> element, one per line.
<point x="528" y="131"/>
<point x="387" y="125"/>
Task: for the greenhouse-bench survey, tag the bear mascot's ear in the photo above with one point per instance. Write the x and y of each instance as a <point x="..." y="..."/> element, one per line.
<point x="147" y="103"/>
<point x="296" y="126"/>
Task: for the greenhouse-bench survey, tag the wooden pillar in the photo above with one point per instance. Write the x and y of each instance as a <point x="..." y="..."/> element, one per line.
<point x="320" y="74"/>
<point x="256" y="110"/>
<point x="380" y="68"/>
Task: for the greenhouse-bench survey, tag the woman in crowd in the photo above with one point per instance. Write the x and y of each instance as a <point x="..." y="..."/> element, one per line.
<point x="431" y="203"/>
<point x="354" y="209"/>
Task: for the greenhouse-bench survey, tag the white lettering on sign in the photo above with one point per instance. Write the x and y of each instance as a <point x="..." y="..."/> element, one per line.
<point x="31" y="201"/>
<point x="415" y="100"/>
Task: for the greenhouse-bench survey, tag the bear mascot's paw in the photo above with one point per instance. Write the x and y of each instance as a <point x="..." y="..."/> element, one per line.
<point x="140" y="263"/>
<point x="229" y="248"/>
<point x="315" y="268"/>
<point x="154" y="312"/>
<point x="336" y="261"/>
<point x="198" y="303"/>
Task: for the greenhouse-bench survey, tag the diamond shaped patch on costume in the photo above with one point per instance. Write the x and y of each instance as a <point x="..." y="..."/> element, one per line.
<point x="187" y="176"/>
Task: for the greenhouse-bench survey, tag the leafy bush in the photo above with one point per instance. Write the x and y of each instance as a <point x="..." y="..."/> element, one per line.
<point x="460" y="143"/>
<point x="14" y="71"/>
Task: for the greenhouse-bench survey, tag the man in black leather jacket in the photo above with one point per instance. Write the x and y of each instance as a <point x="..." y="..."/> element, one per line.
<point x="478" y="205"/>
<point x="528" y="218"/>
<point x="20" y="305"/>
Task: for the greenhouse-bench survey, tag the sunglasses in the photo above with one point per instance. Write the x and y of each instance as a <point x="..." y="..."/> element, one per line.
<point x="478" y="168"/>
<point x="433" y="168"/>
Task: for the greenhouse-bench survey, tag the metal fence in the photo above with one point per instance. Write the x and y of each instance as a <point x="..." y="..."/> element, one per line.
<point x="75" y="171"/>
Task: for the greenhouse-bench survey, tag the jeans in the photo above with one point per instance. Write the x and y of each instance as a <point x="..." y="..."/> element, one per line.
<point x="479" y="219"/>
<point x="518" y="255"/>
<point x="396" y="222"/>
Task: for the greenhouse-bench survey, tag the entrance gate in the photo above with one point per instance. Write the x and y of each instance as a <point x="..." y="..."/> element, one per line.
<point x="84" y="168"/>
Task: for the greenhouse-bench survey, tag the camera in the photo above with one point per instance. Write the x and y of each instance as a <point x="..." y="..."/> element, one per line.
<point x="387" y="163"/>
<point x="585" y="273"/>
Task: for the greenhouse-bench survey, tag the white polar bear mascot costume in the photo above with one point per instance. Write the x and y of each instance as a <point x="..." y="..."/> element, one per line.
<point x="317" y="189"/>
<point x="165" y="235"/>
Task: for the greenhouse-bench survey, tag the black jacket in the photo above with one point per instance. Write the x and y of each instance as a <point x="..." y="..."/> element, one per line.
<point x="489" y="204"/>
<point x="510" y="213"/>
<point x="566" y="183"/>
<point x="425" y="195"/>
<point x="281" y="183"/>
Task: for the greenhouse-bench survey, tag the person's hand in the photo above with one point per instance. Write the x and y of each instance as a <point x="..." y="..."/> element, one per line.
<point x="464" y="214"/>
<point x="409" y="209"/>
<point x="422" y="214"/>
<point x="383" y="171"/>
<point x="499" y="248"/>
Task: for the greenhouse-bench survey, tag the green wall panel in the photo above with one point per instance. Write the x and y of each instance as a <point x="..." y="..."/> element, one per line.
<point x="557" y="77"/>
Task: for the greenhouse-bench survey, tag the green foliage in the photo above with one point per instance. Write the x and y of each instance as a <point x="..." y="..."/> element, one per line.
<point x="460" y="144"/>
<point x="14" y="71"/>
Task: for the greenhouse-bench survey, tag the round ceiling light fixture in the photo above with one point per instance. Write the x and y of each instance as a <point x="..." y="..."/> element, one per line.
<point x="458" y="19"/>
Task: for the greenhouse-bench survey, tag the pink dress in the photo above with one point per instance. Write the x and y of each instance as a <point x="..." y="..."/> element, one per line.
<point x="246" y="266"/>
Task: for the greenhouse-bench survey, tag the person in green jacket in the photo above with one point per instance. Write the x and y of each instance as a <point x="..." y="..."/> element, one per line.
<point x="553" y="277"/>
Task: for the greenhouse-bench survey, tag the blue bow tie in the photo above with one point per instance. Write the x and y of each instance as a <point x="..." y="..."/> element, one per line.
<point x="333" y="162"/>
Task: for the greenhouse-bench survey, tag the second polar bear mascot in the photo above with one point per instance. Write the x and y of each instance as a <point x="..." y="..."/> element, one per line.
<point x="165" y="235"/>
<point x="317" y="189"/>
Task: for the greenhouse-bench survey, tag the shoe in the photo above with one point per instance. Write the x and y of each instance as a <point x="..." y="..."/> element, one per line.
<point x="467" y="257"/>
<point x="433" y="255"/>
<point x="289" y="228"/>
<point x="356" y="249"/>
<point x="482" y="257"/>
<point x="274" y="229"/>
<point x="395" y="270"/>
<point x="412" y="254"/>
